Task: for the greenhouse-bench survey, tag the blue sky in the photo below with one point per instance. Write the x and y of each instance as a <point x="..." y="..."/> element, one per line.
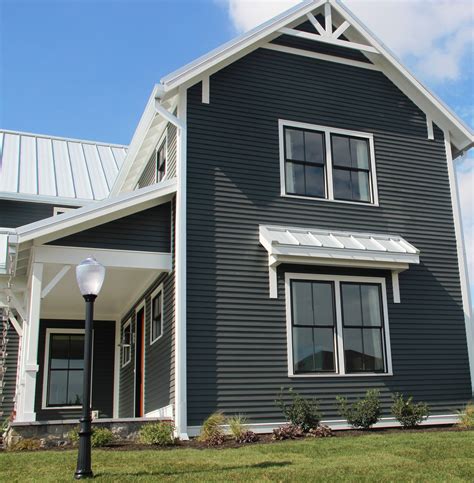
<point x="84" y="68"/>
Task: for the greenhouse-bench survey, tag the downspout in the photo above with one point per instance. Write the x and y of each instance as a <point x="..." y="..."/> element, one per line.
<point x="180" y="399"/>
<point x="461" y="253"/>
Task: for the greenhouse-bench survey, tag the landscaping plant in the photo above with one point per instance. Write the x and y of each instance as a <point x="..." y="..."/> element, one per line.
<point x="322" y="431"/>
<point x="211" y="432"/>
<point x="100" y="437"/>
<point x="408" y="413"/>
<point x="157" y="434"/>
<point x="237" y="425"/>
<point x="288" y="431"/>
<point x="300" y="411"/>
<point x="466" y="417"/>
<point x="25" y="444"/>
<point x="363" y="413"/>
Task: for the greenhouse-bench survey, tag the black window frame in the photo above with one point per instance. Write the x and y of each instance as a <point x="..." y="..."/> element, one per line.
<point x="158" y="294"/>
<point x="365" y="327"/>
<point x="305" y="163"/>
<point x="315" y="326"/>
<point x="351" y="169"/>
<point x="51" y="335"/>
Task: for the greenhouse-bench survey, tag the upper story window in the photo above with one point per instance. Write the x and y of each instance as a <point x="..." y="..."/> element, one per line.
<point x="161" y="162"/>
<point x="327" y="163"/>
<point x="156" y="329"/>
<point x="337" y="325"/>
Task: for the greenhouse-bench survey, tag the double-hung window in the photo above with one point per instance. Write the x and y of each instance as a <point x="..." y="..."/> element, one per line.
<point x="337" y="325"/>
<point x="156" y="329"/>
<point x="64" y="369"/>
<point x="126" y="343"/>
<point x="327" y="163"/>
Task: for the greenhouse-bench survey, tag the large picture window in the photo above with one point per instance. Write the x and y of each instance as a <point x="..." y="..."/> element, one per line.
<point x="327" y="163"/>
<point x="337" y="325"/>
<point x="65" y="366"/>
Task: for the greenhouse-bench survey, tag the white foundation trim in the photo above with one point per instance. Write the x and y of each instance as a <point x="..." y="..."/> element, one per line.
<point x="338" y="424"/>
<point x="164" y="412"/>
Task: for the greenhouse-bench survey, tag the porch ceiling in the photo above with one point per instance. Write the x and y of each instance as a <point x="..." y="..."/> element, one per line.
<point x="121" y="288"/>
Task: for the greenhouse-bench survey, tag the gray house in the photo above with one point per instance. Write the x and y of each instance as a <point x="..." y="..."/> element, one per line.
<point x="286" y="215"/>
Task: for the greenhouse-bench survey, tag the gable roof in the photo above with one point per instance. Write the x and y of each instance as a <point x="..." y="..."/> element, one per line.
<point x="57" y="170"/>
<point x="432" y="106"/>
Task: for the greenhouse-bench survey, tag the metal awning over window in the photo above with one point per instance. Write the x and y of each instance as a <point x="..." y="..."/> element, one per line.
<point x="346" y="249"/>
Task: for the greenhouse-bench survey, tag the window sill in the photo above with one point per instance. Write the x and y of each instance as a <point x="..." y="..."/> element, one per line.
<point x="49" y="408"/>
<point x="326" y="200"/>
<point x="359" y="374"/>
<point x="156" y="340"/>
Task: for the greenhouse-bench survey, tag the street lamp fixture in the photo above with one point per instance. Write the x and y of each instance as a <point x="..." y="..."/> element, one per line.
<point x="90" y="277"/>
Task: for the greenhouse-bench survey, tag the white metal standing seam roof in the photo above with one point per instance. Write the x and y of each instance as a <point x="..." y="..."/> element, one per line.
<point x="54" y="167"/>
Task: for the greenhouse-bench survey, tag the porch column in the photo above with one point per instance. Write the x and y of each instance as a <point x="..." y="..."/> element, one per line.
<point x="29" y="369"/>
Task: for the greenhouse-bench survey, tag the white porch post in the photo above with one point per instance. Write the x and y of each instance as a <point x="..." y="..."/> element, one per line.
<point x="29" y="369"/>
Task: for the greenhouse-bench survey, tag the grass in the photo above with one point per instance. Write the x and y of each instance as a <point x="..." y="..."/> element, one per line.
<point x="423" y="456"/>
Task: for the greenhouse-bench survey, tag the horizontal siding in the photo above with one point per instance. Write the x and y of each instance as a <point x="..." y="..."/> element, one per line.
<point x="103" y="360"/>
<point x="8" y="391"/>
<point x="17" y="213"/>
<point x="148" y="176"/>
<point x="148" y="230"/>
<point x="159" y="357"/>
<point x="236" y="333"/>
<point x="172" y="151"/>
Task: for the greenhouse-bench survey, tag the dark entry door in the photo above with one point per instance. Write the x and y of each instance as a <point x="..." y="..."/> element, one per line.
<point x="140" y="364"/>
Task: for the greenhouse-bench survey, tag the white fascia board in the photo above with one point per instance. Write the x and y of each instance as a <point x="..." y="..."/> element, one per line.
<point x="237" y="45"/>
<point x="464" y="135"/>
<point x="97" y="213"/>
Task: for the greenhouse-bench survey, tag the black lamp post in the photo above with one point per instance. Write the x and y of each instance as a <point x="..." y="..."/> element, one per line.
<point x="90" y="277"/>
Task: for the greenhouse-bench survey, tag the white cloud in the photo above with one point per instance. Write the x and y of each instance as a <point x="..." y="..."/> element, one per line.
<point x="435" y="35"/>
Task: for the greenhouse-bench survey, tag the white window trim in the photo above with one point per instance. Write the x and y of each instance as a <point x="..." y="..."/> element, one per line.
<point x="44" y="401"/>
<point x="162" y="142"/>
<point x="59" y="210"/>
<point x="282" y="123"/>
<point x="340" y="364"/>
<point x="153" y="295"/>
<point x="124" y="326"/>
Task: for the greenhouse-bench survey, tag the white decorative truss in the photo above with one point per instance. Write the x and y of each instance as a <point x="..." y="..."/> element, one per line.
<point x="335" y="248"/>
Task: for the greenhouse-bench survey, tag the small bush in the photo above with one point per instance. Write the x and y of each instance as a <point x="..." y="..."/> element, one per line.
<point x="466" y="417"/>
<point x="100" y="437"/>
<point x="363" y="413"/>
<point x="237" y="425"/>
<point x="288" y="431"/>
<point x="322" y="431"/>
<point x="158" y="434"/>
<point x="25" y="444"/>
<point x="212" y="432"/>
<point x="408" y="413"/>
<point x="247" y="437"/>
<point x="300" y="412"/>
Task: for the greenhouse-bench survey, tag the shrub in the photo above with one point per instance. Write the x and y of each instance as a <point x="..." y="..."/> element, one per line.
<point x="288" y="431"/>
<point x="247" y="437"/>
<point x="466" y="417"/>
<point x="25" y="444"/>
<point x="408" y="413"/>
<point x="322" y="431"/>
<point x="364" y="412"/>
<point x="158" y="434"/>
<point x="212" y="432"/>
<point x="100" y="437"/>
<point x="300" y="412"/>
<point x="237" y="425"/>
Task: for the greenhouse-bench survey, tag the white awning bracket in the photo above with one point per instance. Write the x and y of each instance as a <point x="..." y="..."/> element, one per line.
<point x="310" y="246"/>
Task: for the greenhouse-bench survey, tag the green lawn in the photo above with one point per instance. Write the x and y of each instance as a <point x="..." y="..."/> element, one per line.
<point x="423" y="456"/>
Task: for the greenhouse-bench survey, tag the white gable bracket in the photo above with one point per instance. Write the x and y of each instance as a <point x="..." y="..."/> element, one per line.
<point x="55" y="280"/>
<point x="168" y="115"/>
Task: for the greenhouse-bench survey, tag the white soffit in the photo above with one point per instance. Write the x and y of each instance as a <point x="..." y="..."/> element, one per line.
<point x="35" y="167"/>
<point x="337" y="245"/>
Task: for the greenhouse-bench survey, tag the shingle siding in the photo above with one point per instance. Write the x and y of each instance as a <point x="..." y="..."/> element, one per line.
<point x="148" y="230"/>
<point x="159" y="357"/>
<point x="8" y="391"/>
<point x="236" y="334"/>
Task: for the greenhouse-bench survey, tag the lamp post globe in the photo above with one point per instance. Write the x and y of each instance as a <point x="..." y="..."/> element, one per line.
<point x="90" y="276"/>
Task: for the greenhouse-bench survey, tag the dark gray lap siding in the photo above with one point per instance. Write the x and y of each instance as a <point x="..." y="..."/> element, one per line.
<point x="236" y="335"/>
<point x="8" y="391"/>
<point x="18" y="213"/>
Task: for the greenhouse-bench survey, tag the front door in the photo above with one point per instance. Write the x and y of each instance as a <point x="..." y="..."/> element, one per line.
<point x="140" y="364"/>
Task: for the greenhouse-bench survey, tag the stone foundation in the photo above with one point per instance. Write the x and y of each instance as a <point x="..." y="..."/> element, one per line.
<point x="55" y="433"/>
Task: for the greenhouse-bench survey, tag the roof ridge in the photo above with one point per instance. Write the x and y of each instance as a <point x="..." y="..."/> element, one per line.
<point x="60" y="138"/>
